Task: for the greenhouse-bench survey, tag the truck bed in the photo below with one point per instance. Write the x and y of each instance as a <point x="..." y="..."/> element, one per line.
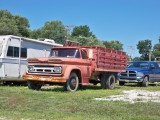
<point x="106" y="59"/>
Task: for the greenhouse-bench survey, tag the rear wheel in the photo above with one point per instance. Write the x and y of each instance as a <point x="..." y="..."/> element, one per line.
<point x="103" y="81"/>
<point x="72" y="83"/>
<point x="108" y="81"/>
<point x="34" y="85"/>
<point x="110" y="84"/>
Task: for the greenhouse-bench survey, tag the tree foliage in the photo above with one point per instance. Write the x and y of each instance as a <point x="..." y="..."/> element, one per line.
<point x="83" y="31"/>
<point x="88" y="41"/>
<point x="15" y="25"/>
<point x="156" y="50"/>
<point x="114" y="44"/>
<point x="144" y="46"/>
<point x="52" y="30"/>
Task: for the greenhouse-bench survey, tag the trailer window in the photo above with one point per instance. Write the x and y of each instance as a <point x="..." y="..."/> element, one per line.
<point x="14" y="52"/>
<point x="10" y="51"/>
<point x="24" y="52"/>
<point x="1" y="45"/>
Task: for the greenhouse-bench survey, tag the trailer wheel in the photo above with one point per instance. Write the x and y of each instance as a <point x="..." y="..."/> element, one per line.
<point x="121" y="83"/>
<point x="34" y="85"/>
<point x="145" y="82"/>
<point x="72" y="83"/>
<point x="110" y="81"/>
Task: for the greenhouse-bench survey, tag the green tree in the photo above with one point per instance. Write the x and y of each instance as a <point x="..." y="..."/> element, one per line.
<point x="156" y="50"/>
<point x="7" y="23"/>
<point x="144" y="47"/>
<point x="83" y="31"/>
<point x="22" y="24"/>
<point x="88" y="41"/>
<point x="52" y="30"/>
<point x="15" y="25"/>
<point x="114" y="44"/>
<point x="35" y="34"/>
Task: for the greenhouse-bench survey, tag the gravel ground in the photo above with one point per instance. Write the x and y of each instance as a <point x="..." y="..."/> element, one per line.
<point x="134" y="96"/>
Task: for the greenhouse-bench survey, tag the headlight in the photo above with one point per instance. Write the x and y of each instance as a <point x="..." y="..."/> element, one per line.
<point x="119" y="74"/>
<point x="57" y="69"/>
<point x="30" y="68"/>
<point x="140" y="74"/>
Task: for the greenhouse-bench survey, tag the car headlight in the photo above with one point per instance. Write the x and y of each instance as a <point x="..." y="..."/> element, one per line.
<point x="140" y="74"/>
<point x="57" y="69"/>
<point x="119" y="74"/>
<point x="30" y="68"/>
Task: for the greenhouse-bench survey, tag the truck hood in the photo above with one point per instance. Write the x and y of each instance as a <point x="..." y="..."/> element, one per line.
<point x="59" y="60"/>
<point x="136" y="69"/>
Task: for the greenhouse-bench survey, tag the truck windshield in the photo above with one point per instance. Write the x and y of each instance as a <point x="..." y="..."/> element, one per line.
<point x="144" y="65"/>
<point x="72" y="53"/>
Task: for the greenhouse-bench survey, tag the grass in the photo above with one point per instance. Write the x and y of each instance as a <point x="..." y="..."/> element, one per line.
<point x="21" y="103"/>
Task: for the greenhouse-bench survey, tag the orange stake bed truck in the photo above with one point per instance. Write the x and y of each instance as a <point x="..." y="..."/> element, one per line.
<point x="76" y="66"/>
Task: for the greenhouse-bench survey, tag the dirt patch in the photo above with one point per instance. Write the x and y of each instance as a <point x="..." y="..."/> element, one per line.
<point x="134" y="96"/>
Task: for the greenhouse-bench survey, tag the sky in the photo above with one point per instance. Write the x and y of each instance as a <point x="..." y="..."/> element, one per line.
<point x="128" y="21"/>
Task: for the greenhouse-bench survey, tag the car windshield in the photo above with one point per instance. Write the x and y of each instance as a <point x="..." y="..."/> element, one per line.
<point x="144" y="65"/>
<point x="71" y="53"/>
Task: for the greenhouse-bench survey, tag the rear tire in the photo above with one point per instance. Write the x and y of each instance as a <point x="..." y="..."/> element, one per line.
<point x="34" y="85"/>
<point x="72" y="83"/>
<point x="103" y="81"/>
<point x="108" y="81"/>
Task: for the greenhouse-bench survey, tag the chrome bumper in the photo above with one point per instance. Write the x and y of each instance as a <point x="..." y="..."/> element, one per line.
<point x="131" y="81"/>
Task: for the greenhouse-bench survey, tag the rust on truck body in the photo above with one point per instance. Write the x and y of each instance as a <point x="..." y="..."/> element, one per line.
<point x="44" y="78"/>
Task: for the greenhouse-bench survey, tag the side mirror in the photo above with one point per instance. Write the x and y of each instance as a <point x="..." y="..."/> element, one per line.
<point x="90" y="54"/>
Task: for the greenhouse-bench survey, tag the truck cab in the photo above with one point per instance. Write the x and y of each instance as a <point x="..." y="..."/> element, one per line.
<point x="57" y="68"/>
<point x="141" y="72"/>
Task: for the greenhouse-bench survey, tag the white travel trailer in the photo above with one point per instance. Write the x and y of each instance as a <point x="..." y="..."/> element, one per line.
<point x="14" y="52"/>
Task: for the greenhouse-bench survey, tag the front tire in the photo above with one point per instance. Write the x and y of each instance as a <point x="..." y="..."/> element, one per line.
<point x="145" y="82"/>
<point x="72" y="83"/>
<point x="34" y="85"/>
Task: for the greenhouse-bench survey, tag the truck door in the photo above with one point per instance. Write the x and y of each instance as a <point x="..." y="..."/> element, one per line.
<point x="85" y="68"/>
<point x="154" y="73"/>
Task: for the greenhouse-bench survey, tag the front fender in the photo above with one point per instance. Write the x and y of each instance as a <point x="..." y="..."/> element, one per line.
<point x="67" y="71"/>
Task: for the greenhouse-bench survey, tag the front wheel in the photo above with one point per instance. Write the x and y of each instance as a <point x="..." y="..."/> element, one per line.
<point x="145" y="82"/>
<point x="72" y="83"/>
<point x="34" y="85"/>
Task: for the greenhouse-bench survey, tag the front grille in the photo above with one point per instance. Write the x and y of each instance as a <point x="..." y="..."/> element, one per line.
<point x="45" y="69"/>
<point x="128" y="74"/>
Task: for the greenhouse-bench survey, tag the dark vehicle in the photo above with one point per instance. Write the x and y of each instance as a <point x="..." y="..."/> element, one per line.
<point x="141" y="72"/>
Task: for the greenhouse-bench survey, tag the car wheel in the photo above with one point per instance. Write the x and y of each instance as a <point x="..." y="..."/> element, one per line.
<point x="72" y="83"/>
<point x="145" y="82"/>
<point x="34" y="85"/>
